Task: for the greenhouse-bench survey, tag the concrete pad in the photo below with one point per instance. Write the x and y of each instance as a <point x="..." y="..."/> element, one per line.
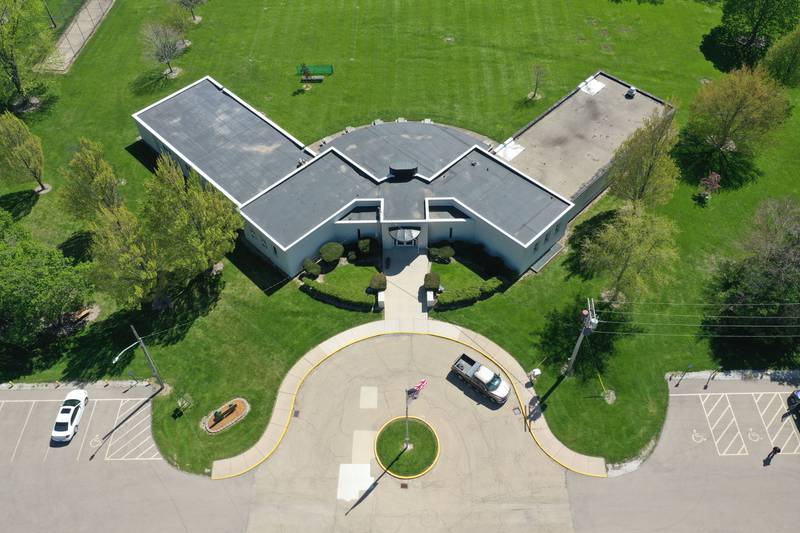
<point x="363" y="446"/>
<point x="353" y="478"/>
<point x="369" y="398"/>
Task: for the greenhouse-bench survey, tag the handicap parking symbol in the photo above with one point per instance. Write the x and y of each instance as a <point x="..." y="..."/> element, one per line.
<point x="698" y="438"/>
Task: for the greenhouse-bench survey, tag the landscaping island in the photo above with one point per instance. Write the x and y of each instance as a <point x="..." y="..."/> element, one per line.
<point x="418" y="459"/>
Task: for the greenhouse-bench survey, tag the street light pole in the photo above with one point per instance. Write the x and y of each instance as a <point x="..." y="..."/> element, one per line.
<point x="148" y="357"/>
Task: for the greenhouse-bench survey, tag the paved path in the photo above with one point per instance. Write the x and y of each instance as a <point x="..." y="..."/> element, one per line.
<point x="283" y="411"/>
<point x="490" y="475"/>
<point x="77" y="34"/>
<point x="404" y="278"/>
<point x="706" y="472"/>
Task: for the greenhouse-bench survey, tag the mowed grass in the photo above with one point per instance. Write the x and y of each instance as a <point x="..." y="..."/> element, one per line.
<point x="456" y="276"/>
<point x="419" y="456"/>
<point x="467" y="64"/>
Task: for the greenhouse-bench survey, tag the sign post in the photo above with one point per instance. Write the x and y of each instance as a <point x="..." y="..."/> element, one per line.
<point x="412" y="394"/>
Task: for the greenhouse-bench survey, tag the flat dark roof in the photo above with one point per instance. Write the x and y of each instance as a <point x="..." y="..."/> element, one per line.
<point x="567" y="146"/>
<point x="378" y="146"/>
<point x="239" y="150"/>
<point x="504" y="197"/>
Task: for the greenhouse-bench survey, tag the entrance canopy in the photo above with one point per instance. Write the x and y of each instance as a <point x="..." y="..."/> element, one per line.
<point x="404" y="234"/>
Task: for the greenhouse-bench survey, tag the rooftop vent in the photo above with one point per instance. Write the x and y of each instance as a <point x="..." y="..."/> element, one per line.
<point x="402" y="169"/>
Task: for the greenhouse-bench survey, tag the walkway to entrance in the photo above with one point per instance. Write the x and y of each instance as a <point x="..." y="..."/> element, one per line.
<point x="404" y="277"/>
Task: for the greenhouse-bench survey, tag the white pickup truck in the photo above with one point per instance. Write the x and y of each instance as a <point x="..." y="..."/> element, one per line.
<point x="482" y="379"/>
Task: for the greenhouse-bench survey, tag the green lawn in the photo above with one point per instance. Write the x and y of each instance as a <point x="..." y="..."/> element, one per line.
<point x="455" y="275"/>
<point x="350" y="282"/>
<point x="462" y="63"/>
<point x="419" y="456"/>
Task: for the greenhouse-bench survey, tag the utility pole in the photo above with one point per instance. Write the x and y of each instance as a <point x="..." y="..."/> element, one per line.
<point x="148" y="357"/>
<point x="589" y="321"/>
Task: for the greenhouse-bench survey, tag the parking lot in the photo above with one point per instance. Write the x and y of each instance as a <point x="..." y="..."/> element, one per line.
<point x="110" y="477"/>
<point x="26" y="426"/>
<point x="707" y="471"/>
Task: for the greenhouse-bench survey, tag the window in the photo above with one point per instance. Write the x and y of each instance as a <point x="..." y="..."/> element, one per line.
<point x="358" y="233"/>
<point x="535" y="246"/>
<point x="61" y="426"/>
<point x="274" y="250"/>
<point x="547" y="236"/>
<point x="558" y="226"/>
<point x="74" y="415"/>
<point x="451" y="234"/>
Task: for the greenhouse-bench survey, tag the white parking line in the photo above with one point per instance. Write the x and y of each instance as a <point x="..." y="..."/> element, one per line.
<point x="13" y="455"/>
<point x="780" y="429"/>
<point x="115" y="425"/>
<point x="736" y="442"/>
<point x="86" y="432"/>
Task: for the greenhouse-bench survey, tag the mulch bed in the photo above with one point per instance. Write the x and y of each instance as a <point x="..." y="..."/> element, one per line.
<point x="241" y="408"/>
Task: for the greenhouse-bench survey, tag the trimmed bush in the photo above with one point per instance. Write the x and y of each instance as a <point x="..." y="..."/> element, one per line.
<point x="339" y="296"/>
<point x="364" y="247"/>
<point x="465" y="296"/>
<point x="351" y="257"/>
<point x="312" y="268"/>
<point x="441" y="254"/>
<point x="378" y="282"/>
<point x="431" y="282"/>
<point x="331" y="251"/>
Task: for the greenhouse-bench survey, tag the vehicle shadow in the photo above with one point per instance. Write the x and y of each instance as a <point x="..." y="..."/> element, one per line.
<point x="471" y="393"/>
<point x="60" y="443"/>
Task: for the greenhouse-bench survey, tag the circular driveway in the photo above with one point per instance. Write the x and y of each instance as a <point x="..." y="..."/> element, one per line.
<point x="490" y="475"/>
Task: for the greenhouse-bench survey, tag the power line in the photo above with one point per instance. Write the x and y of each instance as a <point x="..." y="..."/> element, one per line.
<point x="721" y="304"/>
<point x="754" y="317"/>
<point x="695" y="335"/>
<point x="705" y="325"/>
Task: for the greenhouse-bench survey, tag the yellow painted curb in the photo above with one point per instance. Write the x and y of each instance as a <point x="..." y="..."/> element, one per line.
<point x="346" y="345"/>
<point x="398" y="476"/>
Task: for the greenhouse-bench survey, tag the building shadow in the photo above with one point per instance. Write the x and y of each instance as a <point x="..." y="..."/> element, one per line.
<point x="77" y="247"/>
<point x="471" y="393"/>
<point x="19" y="203"/>
<point x="256" y="268"/>
<point x="586" y="231"/>
<point x="145" y="155"/>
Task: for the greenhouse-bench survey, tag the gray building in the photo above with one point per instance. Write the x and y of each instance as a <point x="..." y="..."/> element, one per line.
<point x="404" y="183"/>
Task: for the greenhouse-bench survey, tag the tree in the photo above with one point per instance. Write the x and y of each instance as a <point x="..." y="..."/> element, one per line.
<point x="38" y="286"/>
<point x="190" y="225"/>
<point x="636" y="249"/>
<point x="783" y="59"/>
<point x="123" y="265"/>
<point x="539" y="74"/>
<point x="20" y="149"/>
<point x="89" y="183"/>
<point x="642" y="169"/>
<point x="730" y="120"/>
<point x="25" y="40"/>
<point x="749" y="293"/>
<point x="753" y="25"/>
<point x="162" y="43"/>
<point x="190" y="5"/>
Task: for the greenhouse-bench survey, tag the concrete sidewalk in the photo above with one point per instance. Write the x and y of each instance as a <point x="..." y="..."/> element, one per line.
<point x="282" y="413"/>
<point x="77" y="34"/>
<point x="404" y="280"/>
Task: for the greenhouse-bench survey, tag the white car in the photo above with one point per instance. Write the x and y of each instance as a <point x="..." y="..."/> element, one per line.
<point x="69" y="416"/>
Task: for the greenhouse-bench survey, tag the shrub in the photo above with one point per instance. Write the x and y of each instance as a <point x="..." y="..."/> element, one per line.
<point x="331" y="251"/>
<point x="490" y="286"/>
<point x="463" y="296"/>
<point x="339" y="296"/>
<point x="378" y="282"/>
<point x="364" y="247"/>
<point x="351" y="257"/>
<point x="441" y="254"/>
<point x="431" y="282"/>
<point x="312" y="268"/>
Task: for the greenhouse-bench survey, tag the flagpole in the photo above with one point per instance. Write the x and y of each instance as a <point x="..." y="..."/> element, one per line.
<point x="405" y="442"/>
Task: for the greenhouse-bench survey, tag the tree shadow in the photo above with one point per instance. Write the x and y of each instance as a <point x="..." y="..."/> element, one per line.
<point x="19" y="203"/>
<point x="734" y="353"/>
<point x="143" y="154"/>
<point x="149" y="82"/>
<point x="716" y="47"/>
<point x="90" y="355"/>
<point x="560" y="332"/>
<point x="77" y="247"/>
<point x="258" y="270"/>
<point x="581" y="233"/>
<point x="696" y="159"/>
